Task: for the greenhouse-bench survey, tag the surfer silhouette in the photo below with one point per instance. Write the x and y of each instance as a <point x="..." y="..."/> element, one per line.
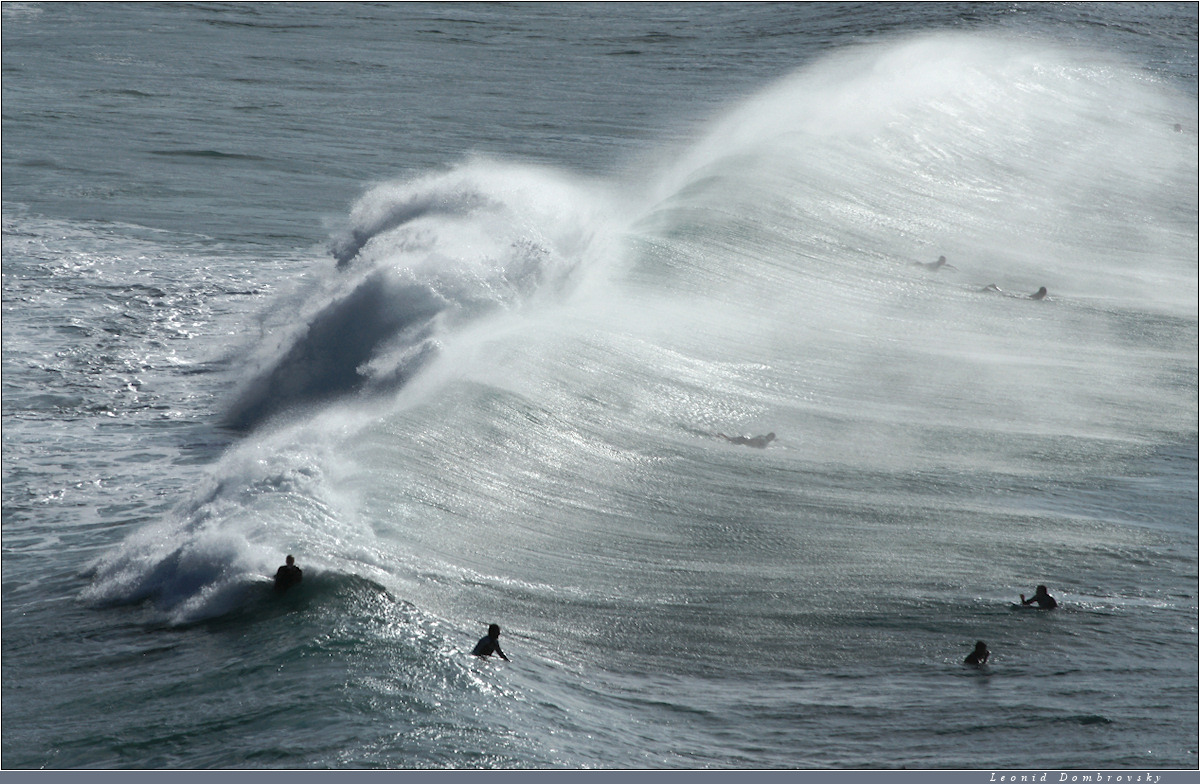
<point x="935" y="265"/>
<point x="490" y="644"/>
<point x="979" y="655"/>
<point x="992" y="288"/>
<point x="1041" y="598"/>
<point x="758" y="442"/>
<point x="287" y="575"/>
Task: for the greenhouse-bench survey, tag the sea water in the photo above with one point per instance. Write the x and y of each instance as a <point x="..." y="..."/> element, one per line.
<point x="457" y="304"/>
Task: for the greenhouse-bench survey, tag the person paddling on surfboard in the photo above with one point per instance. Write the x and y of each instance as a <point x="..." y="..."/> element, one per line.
<point x="992" y="288"/>
<point x="489" y="644"/>
<point x="935" y="265"/>
<point x="1042" y="598"/>
<point x="758" y="442"/>
<point x="287" y="575"/>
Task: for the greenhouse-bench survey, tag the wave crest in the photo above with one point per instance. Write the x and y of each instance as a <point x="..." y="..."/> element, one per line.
<point x="418" y="259"/>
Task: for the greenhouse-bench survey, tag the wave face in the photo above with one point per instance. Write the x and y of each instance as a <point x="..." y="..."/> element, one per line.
<point x="501" y="399"/>
<point x="428" y="256"/>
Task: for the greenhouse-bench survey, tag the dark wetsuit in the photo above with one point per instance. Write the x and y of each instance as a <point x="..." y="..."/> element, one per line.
<point x="1043" y="601"/>
<point x="287" y="576"/>
<point x="487" y="646"/>
<point x="977" y="657"/>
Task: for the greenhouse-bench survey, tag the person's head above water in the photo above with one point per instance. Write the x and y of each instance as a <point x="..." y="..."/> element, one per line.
<point x="978" y="656"/>
<point x="290" y="560"/>
<point x="494" y="630"/>
<point x="1041" y="591"/>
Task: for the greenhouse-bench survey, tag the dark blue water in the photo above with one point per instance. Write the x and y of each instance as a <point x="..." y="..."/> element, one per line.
<point x="454" y="302"/>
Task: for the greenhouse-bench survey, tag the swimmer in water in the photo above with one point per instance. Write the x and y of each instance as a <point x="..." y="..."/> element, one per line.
<point x="1042" y="598"/>
<point x="935" y="265"/>
<point x="992" y="288"/>
<point x="489" y="644"/>
<point x="758" y="442"/>
<point x="288" y="575"/>
<point x="979" y="655"/>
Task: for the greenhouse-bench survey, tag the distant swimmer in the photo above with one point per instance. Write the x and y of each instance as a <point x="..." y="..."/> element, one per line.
<point x="935" y="265"/>
<point x="979" y="655"/>
<point x="758" y="442"/>
<point x="288" y="575"/>
<point x="992" y="288"/>
<point x="490" y="644"/>
<point x="1041" y="598"/>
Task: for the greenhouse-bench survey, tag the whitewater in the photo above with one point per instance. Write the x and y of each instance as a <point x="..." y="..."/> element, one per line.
<point x="493" y="384"/>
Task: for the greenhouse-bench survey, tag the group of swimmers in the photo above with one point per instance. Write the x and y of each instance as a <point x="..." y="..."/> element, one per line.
<point x="990" y="288"/>
<point x="760" y="442"/>
<point x="1041" y="598"/>
<point x="289" y="574"/>
<point x="491" y="643"/>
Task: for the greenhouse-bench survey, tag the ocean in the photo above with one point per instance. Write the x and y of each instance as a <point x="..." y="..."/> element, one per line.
<point x="472" y="308"/>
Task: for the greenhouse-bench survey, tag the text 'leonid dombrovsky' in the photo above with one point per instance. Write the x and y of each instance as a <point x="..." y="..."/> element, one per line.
<point x="1078" y="778"/>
